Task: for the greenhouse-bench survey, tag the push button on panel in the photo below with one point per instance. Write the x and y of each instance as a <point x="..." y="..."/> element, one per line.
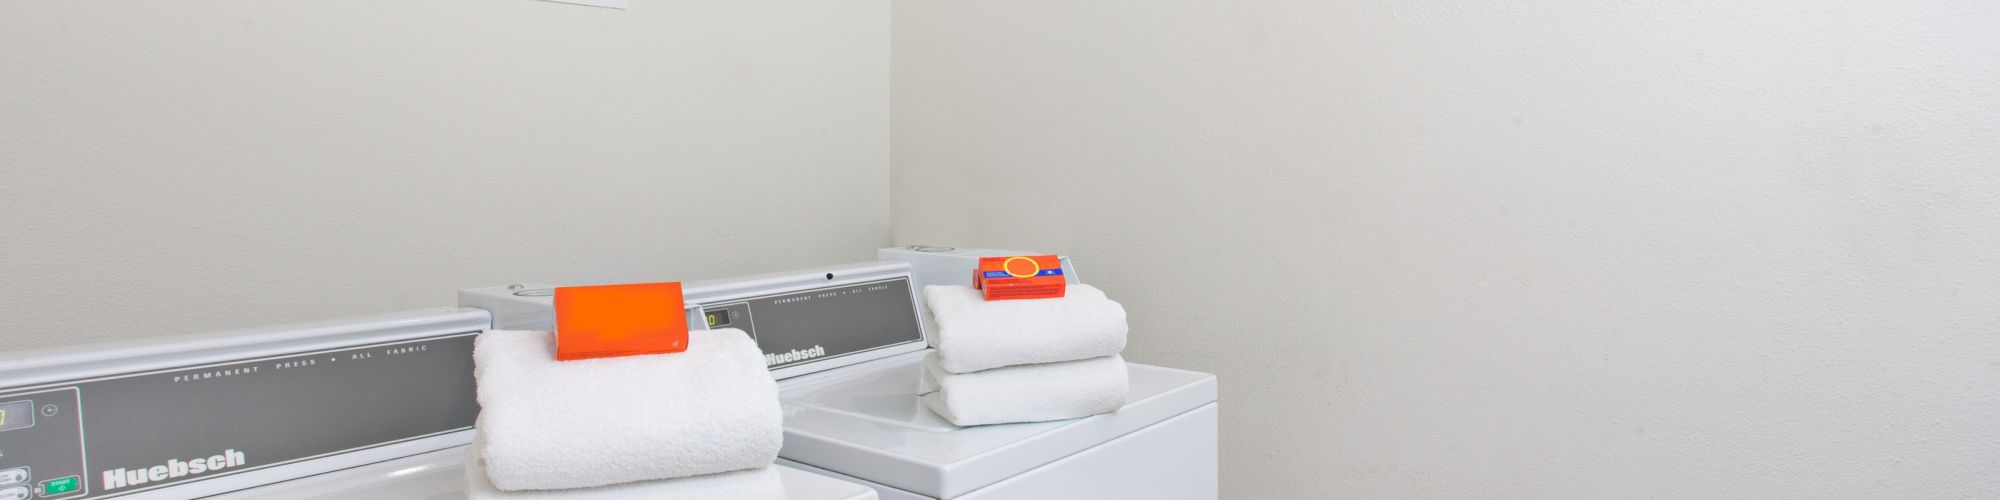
<point x="58" y="486"/>
<point x="14" y="493"/>
<point x="13" y="476"/>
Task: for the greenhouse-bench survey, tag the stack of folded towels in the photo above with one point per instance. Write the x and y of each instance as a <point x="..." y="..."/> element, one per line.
<point x="1027" y="360"/>
<point x="703" y="423"/>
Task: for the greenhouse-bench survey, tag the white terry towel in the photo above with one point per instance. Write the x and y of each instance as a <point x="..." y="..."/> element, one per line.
<point x="551" y="424"/>
<point x="747" y="484"/>
<point x="975" y="335"/>
<point x="1027" y="393"/>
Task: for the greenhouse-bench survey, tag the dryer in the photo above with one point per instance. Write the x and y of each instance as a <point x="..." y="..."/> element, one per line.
<point x="861" y="424"/>
<point x="377" y="407"/>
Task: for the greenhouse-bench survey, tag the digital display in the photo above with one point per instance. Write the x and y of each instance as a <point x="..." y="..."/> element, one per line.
<point x="717" y="318"/>
<point x="17" y="415"/>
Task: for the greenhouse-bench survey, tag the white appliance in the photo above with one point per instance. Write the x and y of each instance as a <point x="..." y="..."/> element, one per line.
<point x="377" y="407"/>
<point x="440" y="475"/>
<point x="860" y="424"/>
<point x="847" y="344"/>
<point x="1162" y="444"/>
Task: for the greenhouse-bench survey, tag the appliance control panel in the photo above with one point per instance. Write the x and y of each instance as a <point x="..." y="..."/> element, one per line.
<point x="800" y="326"/>
<point x="110" y="436"/>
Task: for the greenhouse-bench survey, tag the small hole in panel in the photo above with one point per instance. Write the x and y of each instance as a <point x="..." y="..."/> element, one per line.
<point x="829" y="276"/>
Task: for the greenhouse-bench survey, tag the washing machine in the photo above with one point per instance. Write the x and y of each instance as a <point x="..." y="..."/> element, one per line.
<point x="847" y="343"/>
<point x="378" y="407"/>
<point x="859" y="425"/>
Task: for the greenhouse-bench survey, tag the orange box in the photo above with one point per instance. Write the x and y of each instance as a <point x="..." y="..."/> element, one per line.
<point x="1020" y="277"/>
<point x="619" y="320"/>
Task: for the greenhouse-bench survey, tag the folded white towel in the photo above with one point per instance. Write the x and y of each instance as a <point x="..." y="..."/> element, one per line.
<point x="747" y="484"/>
<point x="1026" y="393"/>
<point x="975" y="335"/>
<point x="551" y="424"/>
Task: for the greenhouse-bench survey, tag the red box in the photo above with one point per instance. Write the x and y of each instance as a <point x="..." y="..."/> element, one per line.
<point x="619" y="320"/>
<point x="1020" y="277"/>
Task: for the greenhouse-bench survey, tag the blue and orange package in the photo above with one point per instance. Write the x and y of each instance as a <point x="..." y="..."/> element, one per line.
<point x="1020" y="277"/>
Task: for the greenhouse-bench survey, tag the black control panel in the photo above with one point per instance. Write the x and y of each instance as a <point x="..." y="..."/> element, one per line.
<point x="41" y="445"/>
<point x="110" y="436"/>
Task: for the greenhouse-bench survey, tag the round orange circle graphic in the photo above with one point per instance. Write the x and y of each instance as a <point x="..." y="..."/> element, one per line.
<point x="1034" y="267"/>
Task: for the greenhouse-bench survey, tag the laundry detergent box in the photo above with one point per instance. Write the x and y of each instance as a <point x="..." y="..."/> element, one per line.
<point x="619" y="320"/>
<point x="1020" y="277"/>
<point x="932" y="265"/>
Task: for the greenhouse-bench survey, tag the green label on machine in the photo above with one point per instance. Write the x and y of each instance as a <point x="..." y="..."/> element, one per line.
<point x="60" y="486"/>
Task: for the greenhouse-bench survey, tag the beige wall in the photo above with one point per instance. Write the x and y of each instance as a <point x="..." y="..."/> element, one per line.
<point x="172" y="167"/>
<point x="1521" y="249"/>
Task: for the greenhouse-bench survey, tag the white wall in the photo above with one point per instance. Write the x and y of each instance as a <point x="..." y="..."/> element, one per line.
<point x="1509" y="249"/>
<point x="173" y="167"/>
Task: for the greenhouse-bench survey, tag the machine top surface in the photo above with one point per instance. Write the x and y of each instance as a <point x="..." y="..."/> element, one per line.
<point x="805" y="321"/>
<point x="865" y="421"/>
<point x="440" y="475"/>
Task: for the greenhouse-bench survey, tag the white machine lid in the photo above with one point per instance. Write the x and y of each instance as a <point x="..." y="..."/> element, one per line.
<point x="866" y="421"/>
<point x="440" y="475"/>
